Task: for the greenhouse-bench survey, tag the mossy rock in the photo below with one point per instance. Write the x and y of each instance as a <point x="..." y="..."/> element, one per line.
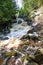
<point x="25" y="37"/>
<point x="25" y="57"/>
<point x="28" y="57"/>
<point x="9" y="54"/>
<point x="22" y="59"/>
<point x="26" y="42"/>
<point x="38" y="58"/>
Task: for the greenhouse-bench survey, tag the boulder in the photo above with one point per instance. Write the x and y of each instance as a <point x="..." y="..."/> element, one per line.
<point x="38" y="15"/>
<point x="19" y="22"/>
<point x="24" y="23"/>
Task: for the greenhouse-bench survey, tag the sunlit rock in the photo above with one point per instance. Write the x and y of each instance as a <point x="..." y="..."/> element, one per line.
<point x="11" y="43"/>
<point x="3" y="42"/>
<point x="38" y="16"/>
<point x="14" y="43"/>
<point x="41" y="50"/>
<point x="24" y="23"/>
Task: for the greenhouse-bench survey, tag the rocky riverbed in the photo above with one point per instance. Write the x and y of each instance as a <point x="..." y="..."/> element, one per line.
<point x="23" y="45"/>
<point x="26" y="50"/>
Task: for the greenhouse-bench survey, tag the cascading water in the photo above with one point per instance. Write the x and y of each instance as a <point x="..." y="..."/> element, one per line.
<point x="19" y="3"/>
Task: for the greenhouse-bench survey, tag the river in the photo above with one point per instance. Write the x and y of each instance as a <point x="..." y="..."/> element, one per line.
<point x="18" y="30"/>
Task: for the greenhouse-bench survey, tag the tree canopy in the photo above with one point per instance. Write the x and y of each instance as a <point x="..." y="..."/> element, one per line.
<point x="7" y="10"/>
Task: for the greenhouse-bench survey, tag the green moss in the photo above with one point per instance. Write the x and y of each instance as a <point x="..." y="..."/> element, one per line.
<point x="12" y="53"/>
<point x="27" y="57"/>
<point x="23" y="58"/>
<point x="27" y="42"/>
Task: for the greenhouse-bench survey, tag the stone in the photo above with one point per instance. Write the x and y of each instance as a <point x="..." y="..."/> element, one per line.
<point x="19" y="22"/>
<point x="39" y="15"/>
<point x="25" y="37"/>
<point x="24" y="23"/>
<point x="41" y="50"/>
<point x="10" y="61"/>
<point x="38" y="57"/>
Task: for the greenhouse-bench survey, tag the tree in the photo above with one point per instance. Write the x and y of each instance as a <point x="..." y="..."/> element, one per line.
<point x="30" y="6"/>
<point x="7" y="10"/>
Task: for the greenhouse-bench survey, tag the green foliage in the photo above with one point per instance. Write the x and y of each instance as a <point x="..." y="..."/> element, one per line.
<point x="7" y="10"/>
<point x="30" y="6"/>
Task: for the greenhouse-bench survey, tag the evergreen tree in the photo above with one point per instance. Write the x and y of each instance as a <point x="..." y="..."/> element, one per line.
<point x="7" y="10"/>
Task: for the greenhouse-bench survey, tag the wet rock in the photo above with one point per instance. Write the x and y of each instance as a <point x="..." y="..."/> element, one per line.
<point x="31" y="36"/>
<point x="29" y="23"/>
<point x="30" y="31"/>
<point x="6" y="32"/>
<point x="25" y="37"/>
<point x="20" y="16"/>
<point x="34" y="29"/>
<point x="19" y="22"/>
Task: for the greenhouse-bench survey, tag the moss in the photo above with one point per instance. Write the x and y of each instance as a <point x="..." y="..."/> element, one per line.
<point x="26" y="37"/>
<point x="12" y="53"/>
<point x="23" y="58"/>
<point x="27" y="57"/>
<point x="27" y="42"/>
<point x="33" y="63"/>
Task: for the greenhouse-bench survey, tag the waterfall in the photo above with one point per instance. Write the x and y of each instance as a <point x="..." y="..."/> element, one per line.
<point x="19" y="3"/>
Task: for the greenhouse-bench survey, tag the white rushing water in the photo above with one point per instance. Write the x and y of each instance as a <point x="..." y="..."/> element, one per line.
<point x="19" y="3"/>
<point x="18" y="30"/>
